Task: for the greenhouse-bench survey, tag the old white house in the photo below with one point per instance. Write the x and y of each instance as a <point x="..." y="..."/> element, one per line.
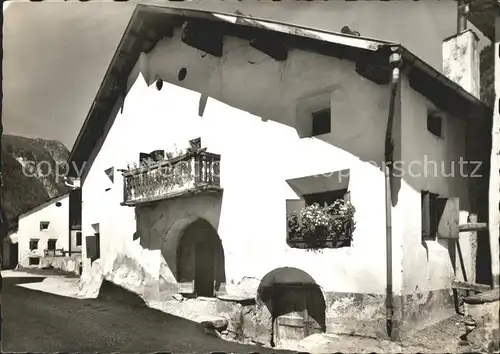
<point x="286" y="117"/>
<point x="46" y="235"/>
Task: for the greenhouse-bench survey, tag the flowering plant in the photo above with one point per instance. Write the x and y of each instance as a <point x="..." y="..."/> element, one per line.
<point x="318" y="226"/>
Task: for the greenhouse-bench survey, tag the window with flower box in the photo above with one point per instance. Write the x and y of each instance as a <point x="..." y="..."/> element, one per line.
<point x="321" y="220"/>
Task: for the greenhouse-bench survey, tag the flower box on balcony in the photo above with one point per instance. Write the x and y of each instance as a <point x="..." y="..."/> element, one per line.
<point x="189" y="173"/>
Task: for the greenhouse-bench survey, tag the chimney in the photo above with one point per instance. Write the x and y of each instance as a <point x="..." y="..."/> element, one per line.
<point x="461" y="60"/>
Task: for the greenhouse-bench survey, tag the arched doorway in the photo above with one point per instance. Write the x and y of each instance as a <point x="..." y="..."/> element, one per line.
<point x="200" y="258"/>
<point x="295" y="303"/>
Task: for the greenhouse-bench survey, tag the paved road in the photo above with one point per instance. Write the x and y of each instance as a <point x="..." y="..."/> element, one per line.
<point x="40" y="322"/>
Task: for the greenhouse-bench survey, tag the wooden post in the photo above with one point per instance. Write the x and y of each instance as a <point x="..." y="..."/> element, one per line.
<point x="494" y="188"/>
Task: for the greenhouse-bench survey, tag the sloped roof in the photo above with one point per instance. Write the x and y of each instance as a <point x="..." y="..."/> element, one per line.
<point x="149" y="24"/>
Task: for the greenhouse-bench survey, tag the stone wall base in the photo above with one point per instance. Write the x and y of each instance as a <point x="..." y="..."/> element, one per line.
<point x="365" y="314"/>
<point x="345" y="313"/>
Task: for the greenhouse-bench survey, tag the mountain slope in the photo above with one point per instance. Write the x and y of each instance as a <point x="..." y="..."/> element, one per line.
<point x="24" y="188"/>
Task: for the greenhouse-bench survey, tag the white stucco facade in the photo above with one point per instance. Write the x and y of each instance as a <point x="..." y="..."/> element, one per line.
<point x="257" y="117"/>
<point x="55" y="213"/>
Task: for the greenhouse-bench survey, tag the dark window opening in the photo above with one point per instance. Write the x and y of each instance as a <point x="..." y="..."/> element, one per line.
<point x="110" y="172"/>
<point x="34" y="261"/>
<point x="321" y="122"/>
<point x="75" y="208"/>
<point x="326" y="197"/>
<point x="78" y="238"/>
<point x="430" y="216"/>
<point x="44" y="225"/>
<point x="51" y="244"/>
<point x="434" y="123"/>
<point x="33" y="244"/>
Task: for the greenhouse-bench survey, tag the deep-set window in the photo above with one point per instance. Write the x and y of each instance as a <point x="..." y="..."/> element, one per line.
<point x="321" y="122"/>
<point x="435" y="123"/>
<point x="78" y="238"/>
<point x="51" y="244"/>
<point x="33" y="244"/>
<point x="44" y="225"/>
<point x="326" y="197"/>
<point x="430" y="215"/>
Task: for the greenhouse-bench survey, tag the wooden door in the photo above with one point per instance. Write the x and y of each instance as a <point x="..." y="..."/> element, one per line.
<point x="296" y="323"/>
<point x="204" y="275"/>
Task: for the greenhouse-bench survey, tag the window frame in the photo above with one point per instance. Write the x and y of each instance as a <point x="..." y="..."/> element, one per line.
<point x="42" y="224"/>
<point x="37" y="241"/>
<point x="49" y="241"/>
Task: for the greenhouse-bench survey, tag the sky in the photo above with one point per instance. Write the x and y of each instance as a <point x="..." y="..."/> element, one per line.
<point x="56" y="53"/>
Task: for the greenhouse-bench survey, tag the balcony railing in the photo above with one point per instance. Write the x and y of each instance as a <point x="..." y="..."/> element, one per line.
<point x="190" y="173"/>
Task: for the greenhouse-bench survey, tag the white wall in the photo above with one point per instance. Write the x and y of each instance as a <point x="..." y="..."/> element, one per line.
<point x="428" y="266"/>
<point x="260" y="150"/>
<point x="29" y="228"/>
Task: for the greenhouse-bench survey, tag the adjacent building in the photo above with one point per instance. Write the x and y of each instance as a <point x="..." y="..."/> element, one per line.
<point x="209" y="131"/>
<point x="48" y="235"/>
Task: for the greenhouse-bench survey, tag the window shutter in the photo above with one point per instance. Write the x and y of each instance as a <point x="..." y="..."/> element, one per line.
<point x="449" y="212"/>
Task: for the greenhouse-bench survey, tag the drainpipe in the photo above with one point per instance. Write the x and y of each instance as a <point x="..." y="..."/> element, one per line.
<point x="395" y="64"/>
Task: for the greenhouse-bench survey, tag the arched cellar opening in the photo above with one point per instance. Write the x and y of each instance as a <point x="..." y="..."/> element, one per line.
<point x="294" y="304"/>
<point x="200" y="259"/>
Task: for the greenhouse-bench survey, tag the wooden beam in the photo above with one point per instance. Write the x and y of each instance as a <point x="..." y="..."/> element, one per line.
<point x="270" y="46"/>
<point x="208" y="39"/>
<point x="462" y="285"/>
<point x="479" y="226"/>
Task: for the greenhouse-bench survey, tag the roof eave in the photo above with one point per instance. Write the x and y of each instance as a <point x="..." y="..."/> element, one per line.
<point x="480" y="107"/>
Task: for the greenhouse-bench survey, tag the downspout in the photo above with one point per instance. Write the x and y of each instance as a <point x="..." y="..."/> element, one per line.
<point x="395" y="63"/>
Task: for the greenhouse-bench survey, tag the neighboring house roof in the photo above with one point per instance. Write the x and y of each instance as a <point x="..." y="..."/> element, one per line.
<point x="40" y="206"/>
<point x="150" y="23"/>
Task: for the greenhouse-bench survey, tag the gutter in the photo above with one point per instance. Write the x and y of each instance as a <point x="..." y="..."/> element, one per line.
<point x="395" y="61"/>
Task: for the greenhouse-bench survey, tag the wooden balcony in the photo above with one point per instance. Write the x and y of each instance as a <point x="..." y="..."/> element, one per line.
<point x="191" y="173"/>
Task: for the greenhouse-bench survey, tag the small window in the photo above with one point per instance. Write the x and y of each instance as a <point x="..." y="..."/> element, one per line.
<point x="430" y="215"/>
<point x="321" y="122"/>
<point x="51" y="244"/>
<point x="110" y="172"/>
<point x="44" y="225"/>
<point x="78" y="238"/>
<point x="435" y="123"/>
<point x="33" y="244"/>
<point x="34" y="261"/>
